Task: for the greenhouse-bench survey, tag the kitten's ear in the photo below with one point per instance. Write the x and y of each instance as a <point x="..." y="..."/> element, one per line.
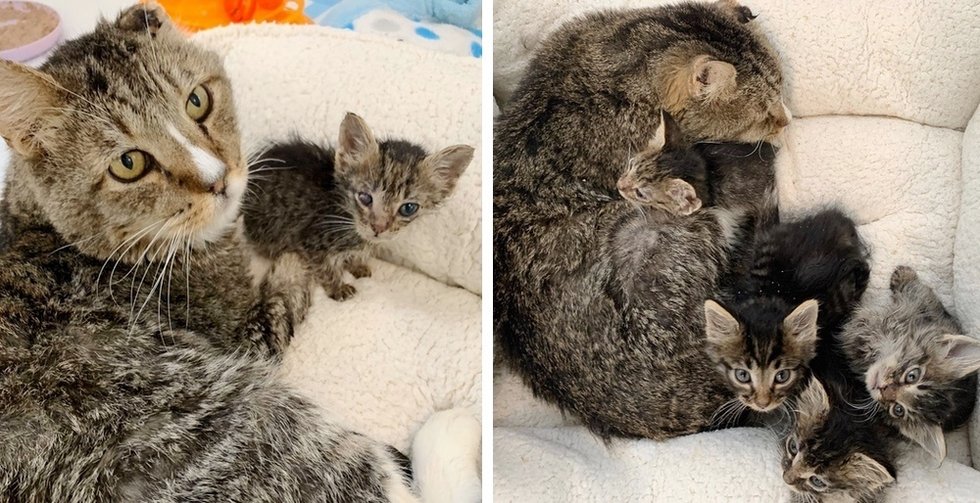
<point x="659" y="140"/>
<point x="704" y="78"/>
<point x="961" y="354"/>
<point x="867" y="472"/>
<point x="357" y="144"/>
<point x="148" y="18"/>
<point x="723" y="331"/>
<point x="668" y="134"/>
<point x="683" y="195"/>
<point x="801" y="326"/>
<point x="929" y="436"/>
<point x="813" y="401"/>
<point x="28" y="98"/>
<point x="445" y="167"/>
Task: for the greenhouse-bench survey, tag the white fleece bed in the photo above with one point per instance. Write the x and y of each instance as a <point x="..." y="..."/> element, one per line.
<point x="882" y="92"/>
<point x="408" y="344"/>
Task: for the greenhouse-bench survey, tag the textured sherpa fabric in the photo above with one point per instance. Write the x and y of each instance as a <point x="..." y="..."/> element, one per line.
<point x="408" y="343"/>
<point x="966" y="258"/>
<point x="881" y="92"/>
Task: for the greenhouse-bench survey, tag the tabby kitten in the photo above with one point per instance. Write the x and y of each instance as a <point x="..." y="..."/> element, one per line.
<point x="806" y="278"/>
<point x="126" y="155"/>
<point x="331" y="207"/>
<point x="915" y="361"/>
<point x="665" y="173"/>
<point x="834" y="452"/>
<point x="593" y="297"/>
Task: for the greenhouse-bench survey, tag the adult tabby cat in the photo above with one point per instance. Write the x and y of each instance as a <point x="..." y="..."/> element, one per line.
<point x="137" y="359"/>
<point x="596" y="301"/>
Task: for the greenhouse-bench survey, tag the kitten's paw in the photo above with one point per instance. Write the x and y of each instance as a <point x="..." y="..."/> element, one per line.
<point x="360" y="270"/>
<point x="341" y="292"/>
<point x="902" y="276"/>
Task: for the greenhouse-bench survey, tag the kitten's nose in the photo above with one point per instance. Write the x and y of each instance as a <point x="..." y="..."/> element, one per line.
<point x="379" y="227"/>
<point x="218" y="188"/>
<point x="789" y="477"/>
<point x="890" y="392"/>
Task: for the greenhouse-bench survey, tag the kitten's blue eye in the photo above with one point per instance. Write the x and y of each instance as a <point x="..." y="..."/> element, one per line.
<point x="817" y="482"/>
<point x="897" y="410"/>
<point x="782" y="376"/>
<point x="742" y="376"/>
<point x="365" y="198"/>
<point x="913" y="375"/>
<point x="408" y="209"/>
<point x="792" y="447"/>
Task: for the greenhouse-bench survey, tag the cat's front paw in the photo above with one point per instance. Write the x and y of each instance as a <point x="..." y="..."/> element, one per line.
<point x="341" y="292"/>
<point x="360" y="270"/>
<point x="902" y="276"/>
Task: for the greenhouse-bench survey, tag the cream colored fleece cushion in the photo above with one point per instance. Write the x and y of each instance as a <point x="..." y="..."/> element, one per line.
<point x="408" y="343"/>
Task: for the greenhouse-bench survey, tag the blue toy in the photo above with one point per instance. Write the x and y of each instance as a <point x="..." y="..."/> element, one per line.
<point x="341" y="13"/>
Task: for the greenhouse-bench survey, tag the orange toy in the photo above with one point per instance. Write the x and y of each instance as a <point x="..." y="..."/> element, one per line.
<point x="197" y="15"/>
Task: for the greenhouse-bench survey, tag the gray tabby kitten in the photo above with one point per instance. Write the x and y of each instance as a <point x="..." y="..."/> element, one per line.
<point x="123" y="381"/>
<point x="835" y="453"/>
<point x="331" y="207"/>
<point x="915" y="361"/>
<point x="597" y="303"/>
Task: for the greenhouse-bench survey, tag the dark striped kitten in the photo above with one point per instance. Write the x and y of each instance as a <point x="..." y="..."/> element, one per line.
<point x="915" y="361"/>
<point x="330" y="207"/>
<point x="806" y="278"/>
<point x="835" y="451"/>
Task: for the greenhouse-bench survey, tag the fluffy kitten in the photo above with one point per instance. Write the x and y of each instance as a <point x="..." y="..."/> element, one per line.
<point x="836" y="452"/>
<point x="765" y="333"/>
<point x="915" y="361"/>
<point x="330" y="207"/>
<point x="596" y="303"/>
<point x="126" y="156"/>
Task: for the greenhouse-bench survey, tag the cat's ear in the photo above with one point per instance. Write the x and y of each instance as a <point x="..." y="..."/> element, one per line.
<point x="445" y="167"/>
<point x="723" y="331"/>
<point x="28" y="99"/>
<point x="867" y="472"/>
<point x="961" y="354"/>
<point x="813" y="401"/>
<point x="703" y="78"/>
<point x="800" y="327"/>
<point x="357" y="144"/>
<point x="148" y="18"/>
<point x="929" y="436"/>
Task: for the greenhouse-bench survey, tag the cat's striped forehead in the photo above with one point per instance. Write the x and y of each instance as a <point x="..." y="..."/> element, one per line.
<point x="399" y="168"/>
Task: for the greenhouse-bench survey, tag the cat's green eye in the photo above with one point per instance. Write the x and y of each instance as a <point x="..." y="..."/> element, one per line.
<point x="742" y="376"/>
<point x="897" y="410"/>
<point x="408" y="209"/>
<point x="782" y="376"/>
<point x="198" y="104"/>
<point x="130" y="166"/>
<point x="913" y="375"/>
